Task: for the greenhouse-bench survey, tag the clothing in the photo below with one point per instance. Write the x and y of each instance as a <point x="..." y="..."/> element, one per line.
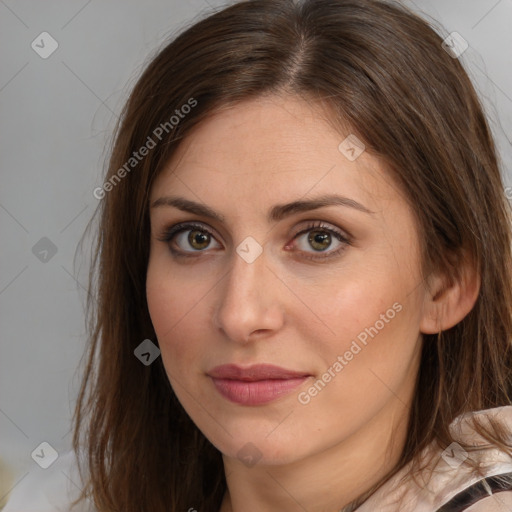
<point x="450" y="489"/>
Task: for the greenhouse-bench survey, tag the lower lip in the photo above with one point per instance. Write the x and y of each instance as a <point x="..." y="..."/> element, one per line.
<point x="256" y="392"/>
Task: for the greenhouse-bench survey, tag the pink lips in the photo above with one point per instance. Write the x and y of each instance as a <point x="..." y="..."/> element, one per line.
<point x="255" y="385"/>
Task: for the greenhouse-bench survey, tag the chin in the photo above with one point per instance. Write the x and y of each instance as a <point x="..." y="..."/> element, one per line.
<point x="262" y="448"/>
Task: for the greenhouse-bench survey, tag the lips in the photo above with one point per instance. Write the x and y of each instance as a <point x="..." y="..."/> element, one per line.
<point x="255" y="385"/>
<point x="254" y="373"/>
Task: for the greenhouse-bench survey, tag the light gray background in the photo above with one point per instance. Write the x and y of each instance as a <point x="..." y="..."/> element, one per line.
<point x="56" y="118"/>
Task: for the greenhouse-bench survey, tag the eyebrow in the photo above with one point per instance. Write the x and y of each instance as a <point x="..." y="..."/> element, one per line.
<point x="276" y="213"/>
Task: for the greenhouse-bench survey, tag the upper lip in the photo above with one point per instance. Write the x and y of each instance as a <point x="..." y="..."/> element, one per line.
<point x="254" y="372"/>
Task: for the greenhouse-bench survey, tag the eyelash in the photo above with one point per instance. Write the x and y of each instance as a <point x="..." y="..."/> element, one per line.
<point x="170" y="233"/>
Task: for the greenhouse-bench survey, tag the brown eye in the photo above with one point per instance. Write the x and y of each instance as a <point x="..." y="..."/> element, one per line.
<point x="189" y="238"/>
<point x="319" y="240"/>
<point x="198" y="239"/>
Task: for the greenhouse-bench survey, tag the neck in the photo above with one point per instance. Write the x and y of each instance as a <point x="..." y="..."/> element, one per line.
<point x="338" y="479"/>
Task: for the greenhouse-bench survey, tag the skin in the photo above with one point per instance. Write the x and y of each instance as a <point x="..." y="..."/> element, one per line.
<point x="284" y="309"/>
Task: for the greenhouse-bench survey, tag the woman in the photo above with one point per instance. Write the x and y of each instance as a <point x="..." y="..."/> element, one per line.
<point x="304" y="275"/>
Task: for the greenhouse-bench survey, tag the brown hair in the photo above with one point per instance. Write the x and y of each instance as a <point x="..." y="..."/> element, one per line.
<point x="382" y="70"/>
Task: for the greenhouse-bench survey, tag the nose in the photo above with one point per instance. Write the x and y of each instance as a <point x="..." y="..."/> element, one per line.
<point x="249" y="300"/>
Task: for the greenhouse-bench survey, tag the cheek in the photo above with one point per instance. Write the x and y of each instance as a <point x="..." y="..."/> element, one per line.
<point x="373" y="318"/>
<point x="373" y="353"/>
<point x="356" y="301"/>
<point x="164" y="304"/>
<point x="161" y="301"/>
<point x="174" y="307"/>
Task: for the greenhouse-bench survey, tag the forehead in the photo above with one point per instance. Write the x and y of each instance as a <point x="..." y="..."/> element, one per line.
<point x="272" y="147"/>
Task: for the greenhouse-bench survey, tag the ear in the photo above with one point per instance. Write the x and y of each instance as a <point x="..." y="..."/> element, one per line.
<point x="450" y="297"/>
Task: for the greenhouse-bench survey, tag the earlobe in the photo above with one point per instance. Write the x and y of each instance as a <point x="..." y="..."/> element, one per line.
<point x="448" y="299"/>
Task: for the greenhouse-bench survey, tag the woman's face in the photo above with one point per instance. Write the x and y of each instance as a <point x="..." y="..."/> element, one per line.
<point x="330" y="295"/>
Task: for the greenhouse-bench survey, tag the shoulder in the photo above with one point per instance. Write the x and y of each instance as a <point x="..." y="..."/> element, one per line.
<point x="49" y="490"/>
<point x="501" y="502"/>
<point x="491" y="493"/>
<point x="449" y="483"/>
<point x="456" y="486"/>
